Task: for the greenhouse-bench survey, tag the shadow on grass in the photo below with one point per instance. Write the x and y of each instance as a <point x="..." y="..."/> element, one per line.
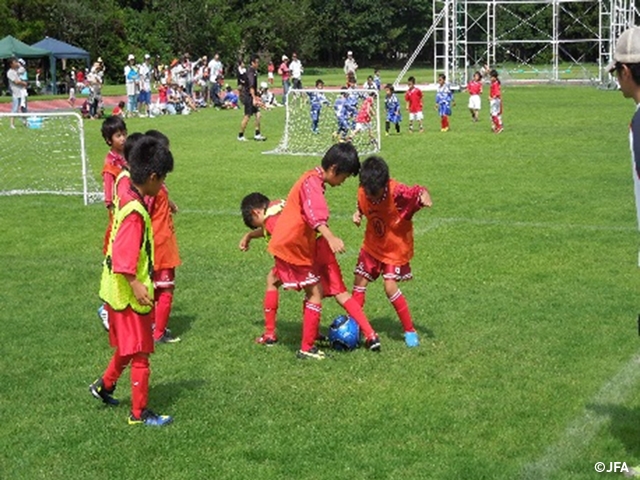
<point x="179" y="323"/>
<point x="624" y="424"/>
<point x="163" y="395"/>
<point x="290" y="331"/>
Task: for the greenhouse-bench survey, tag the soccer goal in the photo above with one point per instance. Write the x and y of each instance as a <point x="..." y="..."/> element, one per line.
<point x="316" y="119"/>
<point x="45" y="154"/>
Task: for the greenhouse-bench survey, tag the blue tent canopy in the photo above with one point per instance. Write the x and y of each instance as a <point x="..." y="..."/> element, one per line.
<point x="61" y="50"/>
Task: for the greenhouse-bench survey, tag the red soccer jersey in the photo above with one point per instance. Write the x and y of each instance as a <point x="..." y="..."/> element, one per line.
<point x="494" y="91"/>
<point x="164" y="235"/>
<point x="389" y="233"/>
<point x="474" y="87"/>
<point x="414" y="98"/>
<point x="294" y="240"/>
<point x="364" y="115"/>
<point x="126" y="244"/>
<point x="114" y="163"/>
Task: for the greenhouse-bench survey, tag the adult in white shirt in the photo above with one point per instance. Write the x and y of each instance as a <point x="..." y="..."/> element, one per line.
<point x="144" y="97"/>
<point x="350" y="66"/>
<point x="17" y="86"/>
<point x="215" y="73"/>
<point x="131" y="79"/>
<point x="296" y="71"/>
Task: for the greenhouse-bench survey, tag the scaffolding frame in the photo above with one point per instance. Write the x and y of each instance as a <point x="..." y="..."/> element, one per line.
<point x="462" y="28"/>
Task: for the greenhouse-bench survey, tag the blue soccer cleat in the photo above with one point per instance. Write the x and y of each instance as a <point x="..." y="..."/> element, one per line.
<point x="411" y="339"/>
<point x="151" y="419"/>
<point x="98" y="391"/>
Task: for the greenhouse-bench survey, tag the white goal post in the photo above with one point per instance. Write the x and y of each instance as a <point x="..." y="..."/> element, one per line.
<point x="315" y="119"/>
<point x="45" y="154"/>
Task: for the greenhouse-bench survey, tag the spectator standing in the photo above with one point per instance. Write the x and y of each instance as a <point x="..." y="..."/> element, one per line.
<point x="188" y="73"/>
<point x="270" y="69"/>
<point x="350" y="66"/>
<point x="17" y="85"/>
<point x="95" y="88"/>
<point x="131" y="78"/>
<point x="296" y="71"/>
<point x="215" y="71"/>
<point x="144" y="98"/>
<point x="285" y="73"/>
<point x="24" y="76"/>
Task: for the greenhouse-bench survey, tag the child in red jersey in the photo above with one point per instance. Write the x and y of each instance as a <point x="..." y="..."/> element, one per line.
<point x="114" y="132"/>
<point x="262" y="216"/>
<point x="126" y="285"/>
<point x="389" y="207"/>
<point x="495" y="102"/>
<point x="293" y="243"/>
<point x="474" y="87"/>
<point x="413" y="97"/>
<point x="166" y="256"/>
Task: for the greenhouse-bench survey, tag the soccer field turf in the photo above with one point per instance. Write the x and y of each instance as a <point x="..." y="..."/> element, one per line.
<point x="525" y="297"/>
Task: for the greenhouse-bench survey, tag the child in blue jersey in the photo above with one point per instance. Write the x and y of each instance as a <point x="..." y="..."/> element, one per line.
<point x="392" y="106"/>
<point x="444" y="101"/>
<point x="342" y="115"/>
<point x="351" y="105"/>
<point x="317" y="99"/>
<point x="230" y="99"/>
<point x="376" y="79"/>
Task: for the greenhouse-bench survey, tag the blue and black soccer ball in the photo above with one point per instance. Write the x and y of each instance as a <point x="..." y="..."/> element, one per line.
<point x="344" y="333"/>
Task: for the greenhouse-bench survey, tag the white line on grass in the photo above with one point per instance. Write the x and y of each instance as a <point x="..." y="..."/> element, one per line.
<point x="581" y="431"/>
<point x="437" y="222"/>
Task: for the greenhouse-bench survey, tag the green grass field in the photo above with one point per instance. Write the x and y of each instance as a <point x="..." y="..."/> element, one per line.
<point x="525" y="297"/>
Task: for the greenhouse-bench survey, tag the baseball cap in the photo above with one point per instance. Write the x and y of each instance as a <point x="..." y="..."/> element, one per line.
<point x="131" y="57"/>
<point x="147" y="56"/>
<point x="21" y="61"/>
<point x="349" y="53"/>
<point x="284" y="57"/>
<point x="627" y="48"/>
<point x="264" y="85"/>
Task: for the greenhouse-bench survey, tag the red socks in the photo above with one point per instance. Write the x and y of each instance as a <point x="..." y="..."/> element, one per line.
<point x="114" y="370"/>
<point x="402" y="309"/>
<point x="164" y="300"/>
<point x="358" y="295"/>
<point x="139" y="384"/>
<point x="354" y="310"/>
<point x="310" y="325"/>
<point x="270" y="312"/>
<point x="444" y="121"/>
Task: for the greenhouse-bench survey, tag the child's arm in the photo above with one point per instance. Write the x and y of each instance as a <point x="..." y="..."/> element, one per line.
<point x="139" y="290"/>
<point x="409" y="200"/>
<point x="336" y="244"/>
<point x="357" y="218"/>
<point x="108" y="184"/>
<point x="247" y="237"/>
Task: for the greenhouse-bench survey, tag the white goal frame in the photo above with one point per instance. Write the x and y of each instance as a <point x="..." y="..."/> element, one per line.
<point x="283" y="147"/>
<point x="88" y="195"/>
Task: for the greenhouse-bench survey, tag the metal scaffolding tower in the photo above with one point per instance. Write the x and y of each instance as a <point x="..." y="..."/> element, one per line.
<point x="534" y="39"/>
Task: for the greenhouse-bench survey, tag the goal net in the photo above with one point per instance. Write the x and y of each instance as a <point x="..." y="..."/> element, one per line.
<point x="45" y="154"/>
<point x="316" y="119"/>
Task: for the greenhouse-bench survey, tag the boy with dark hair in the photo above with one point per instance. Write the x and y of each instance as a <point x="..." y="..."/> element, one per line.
<point x="293" y="243"/>
<point x="166" y="257"/>
<point x="261" y="216"/>
<point x="413" y="97"/>
<point x="317" y="99"/>
<point x="114" y="132"/>
<point x="389" y="207"/>
<point x="495" y="102"/>
<point x="251" y="100"/>
<point x="126" y="285"/>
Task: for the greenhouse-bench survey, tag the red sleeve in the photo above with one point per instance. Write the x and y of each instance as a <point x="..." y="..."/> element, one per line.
<point x="108" y="181"/>
<point x="315" y="210"/>
<point x="270" y="223"/>
<point x="126" y="245"/>
<point x="407" y="200"/>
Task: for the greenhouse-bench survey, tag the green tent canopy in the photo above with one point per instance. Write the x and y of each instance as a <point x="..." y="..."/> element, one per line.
<point x="12" y="47"/>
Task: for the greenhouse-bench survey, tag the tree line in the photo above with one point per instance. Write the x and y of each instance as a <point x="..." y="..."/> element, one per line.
<point x="320" y="31"/>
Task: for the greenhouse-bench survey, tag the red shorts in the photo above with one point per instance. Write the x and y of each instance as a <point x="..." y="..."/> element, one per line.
<point x="371" y="268"/>
<point x="130" y="332"/>
<point x="164" y="278"/>
<point x="295" y="277"/>
<point x="326" y="265"/>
